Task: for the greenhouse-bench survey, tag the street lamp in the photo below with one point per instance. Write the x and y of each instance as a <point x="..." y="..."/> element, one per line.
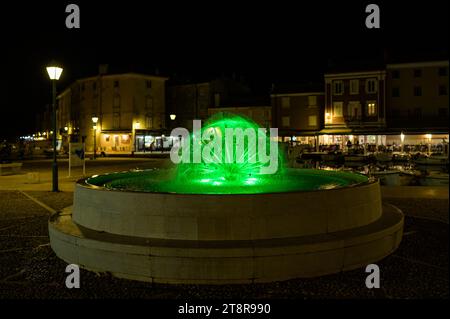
<point x="54" y="74"/>
<point x="95" y="120"/>
<point x="173" y="117"/>
<point x="402" y="139"/>
<point x="429" y="137"/>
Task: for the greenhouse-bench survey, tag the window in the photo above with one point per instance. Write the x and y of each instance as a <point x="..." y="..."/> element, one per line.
<point x="149" y="121"/>
<point x="285" y="121"/>
<point x="417" y="113"/>
<point x="395" y="74"/>
<point x="148" y="84"/>
<point x="149" y="103"/>
<point x="82" y="87"/>
<point x="94" y="86"/>
<point x="354" y="110"/>
<point x="417" y="91"/>
<point x="395" y="92"/>
<point x="116" y="84"/>
<point x="442" y="72"/>
<point x="312" y="100"/>
<point x="442" y="90"/>
<point x="216" y="99"/>
<point x="417" y="73"/>
<point x="116" y="120"/>
<point x="338" y="87"/>
<point x="354" y="86"/>
<point x="116" y="101"/>
<point x="371" y="86"/>
<point x="312" y="120"/>
<point x="443" y="112"/>
<point x="285" y="102"/>
<point x="337" y="109"/>
<point x="371" y="108"/>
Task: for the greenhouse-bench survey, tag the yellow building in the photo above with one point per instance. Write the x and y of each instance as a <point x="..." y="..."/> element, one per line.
<point x="417" y="96"/>
<point x="126" y="105"/>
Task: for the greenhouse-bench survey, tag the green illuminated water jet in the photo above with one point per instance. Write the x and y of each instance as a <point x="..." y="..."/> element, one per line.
<point x="230" y="172"/>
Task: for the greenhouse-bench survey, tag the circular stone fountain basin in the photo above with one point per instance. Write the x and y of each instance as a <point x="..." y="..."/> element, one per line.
<point x="145" y="226"/>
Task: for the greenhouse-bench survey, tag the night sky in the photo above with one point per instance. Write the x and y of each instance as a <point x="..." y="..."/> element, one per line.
<point x="263" y="41"/>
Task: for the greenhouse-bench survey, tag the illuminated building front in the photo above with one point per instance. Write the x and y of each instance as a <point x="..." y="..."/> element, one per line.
<point x="126" y="106"/>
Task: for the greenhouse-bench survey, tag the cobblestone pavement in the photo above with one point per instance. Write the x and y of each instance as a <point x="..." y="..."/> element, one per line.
<point x="30" y="269"/>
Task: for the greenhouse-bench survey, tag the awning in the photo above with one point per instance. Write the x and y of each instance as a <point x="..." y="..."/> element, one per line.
<point x="335" y="131"/>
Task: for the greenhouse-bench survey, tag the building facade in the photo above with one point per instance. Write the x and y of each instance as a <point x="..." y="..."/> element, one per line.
<point x="262" y="115"/>
<point x="298" y="113"/>
<point x="127" y="106"/>
<point x="417" y="95"/>
<point x="355" y="104"/>
<point x="189" y="101"/>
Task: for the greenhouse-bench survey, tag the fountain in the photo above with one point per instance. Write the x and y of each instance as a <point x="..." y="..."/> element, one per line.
<point x="224" y="221"/>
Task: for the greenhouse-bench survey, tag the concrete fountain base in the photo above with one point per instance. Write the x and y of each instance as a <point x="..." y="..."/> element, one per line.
<point x="350" y="230"/>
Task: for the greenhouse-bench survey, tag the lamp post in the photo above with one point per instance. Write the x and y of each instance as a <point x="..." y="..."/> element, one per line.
<point x="402" y="139"/>
<point x="54" y="73"/>
<point x="95" y="120"/>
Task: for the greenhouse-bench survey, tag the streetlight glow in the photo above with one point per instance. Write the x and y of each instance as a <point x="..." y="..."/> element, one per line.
<point x="54" y="72"/>
<point x="402" y="137"/>
<point x="95" y="119"/>
<point x="173" y="116"/>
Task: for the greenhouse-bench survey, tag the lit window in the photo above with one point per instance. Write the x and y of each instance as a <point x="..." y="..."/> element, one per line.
<point x="337" y="109"/>
<point x="354" y="86"/>
<point x="338" y="87"/>
<point x="371" y="108"/>
<point x="312" y="120"/>
<point x="285" y="102"/>
<point x="371" y="86"/>
<point x="312" y="100"/>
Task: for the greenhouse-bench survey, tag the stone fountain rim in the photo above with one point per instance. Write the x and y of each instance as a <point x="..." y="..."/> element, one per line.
<point x="83" y="183"/>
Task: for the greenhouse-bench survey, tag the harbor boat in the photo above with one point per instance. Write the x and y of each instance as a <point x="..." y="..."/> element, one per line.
<point x="431" y="160"/>
<point x="400" y="157"/>
<point x="383" y="157"/>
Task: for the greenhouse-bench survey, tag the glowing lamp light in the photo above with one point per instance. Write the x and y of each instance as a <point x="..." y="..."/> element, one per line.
<point x="429" y="136"/>
<point x="137" y="125"/>
<point x="402" y="137"/>
<point x="54" y="72"/>
<point x="95" y="119"/>
<point x="173" y="116"/>
<point x="94" y="127"/>
<point x="66" y="128"/>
